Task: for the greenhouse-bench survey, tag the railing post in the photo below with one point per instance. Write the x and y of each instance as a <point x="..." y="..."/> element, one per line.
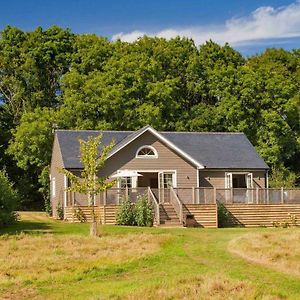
<point x="104" y="197"/>
<point x="282" y="195"/>
<point x="256" y="195"/>
<point x="231" y="195"/>
<point x="193" y="195"/>
<point x="215" y="195"/>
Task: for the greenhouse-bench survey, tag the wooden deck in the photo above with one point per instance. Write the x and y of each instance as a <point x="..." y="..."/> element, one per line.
<point x="196" y="206"/>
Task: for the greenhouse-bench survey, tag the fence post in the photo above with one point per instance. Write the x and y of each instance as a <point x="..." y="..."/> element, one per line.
<point x="215" y="195"/>
<point x="282" y="196"/>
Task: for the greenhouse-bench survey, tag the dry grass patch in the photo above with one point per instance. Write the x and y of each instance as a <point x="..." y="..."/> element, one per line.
<point x="279" y="249"/>
<point x="27" y="258"/>
<point x="201" y="287"/>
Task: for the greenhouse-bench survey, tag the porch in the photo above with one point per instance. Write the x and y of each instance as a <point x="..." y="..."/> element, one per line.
<point x="177" y="206"/>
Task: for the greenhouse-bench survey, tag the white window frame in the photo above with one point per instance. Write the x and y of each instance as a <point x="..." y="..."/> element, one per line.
<point x="131" y="182"/>
<point x="229" y="183"/>
<point x="146" y="156"/>
<point x="53" y="187"/>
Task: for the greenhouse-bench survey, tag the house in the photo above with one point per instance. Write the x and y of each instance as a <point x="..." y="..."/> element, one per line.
<point x="164" y="160"/>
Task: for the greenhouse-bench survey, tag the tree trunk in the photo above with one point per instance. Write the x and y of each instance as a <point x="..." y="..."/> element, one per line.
<point x="93" y="228"/>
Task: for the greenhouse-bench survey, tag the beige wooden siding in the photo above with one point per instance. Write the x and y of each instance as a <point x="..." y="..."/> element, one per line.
<point x="56" y="164"/>
<point x="253" y="215"/>
<point x="216" y="178"/>
<point x="167" y="160"/>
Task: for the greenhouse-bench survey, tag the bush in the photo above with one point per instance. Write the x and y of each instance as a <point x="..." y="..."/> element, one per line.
<point x="79" y="215"/>
<point x="143" y="212"/>
<point x="45" y="190"/>
<point x="223" y="215"/>
<point x="125" y="214"/>
<point x="8" y="200"/>
<point x="60" y="211"/>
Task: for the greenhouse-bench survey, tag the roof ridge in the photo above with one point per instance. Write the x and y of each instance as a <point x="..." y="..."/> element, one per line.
<point x="132" y="131"/>
<point x="203" y="132"/>
<point x="92" y="130"/>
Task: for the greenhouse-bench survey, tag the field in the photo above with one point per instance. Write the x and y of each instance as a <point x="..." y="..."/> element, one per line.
<point x="41" y="258"/>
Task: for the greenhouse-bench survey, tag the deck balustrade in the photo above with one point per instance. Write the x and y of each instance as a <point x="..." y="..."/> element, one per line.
<point x="114" y="196"/>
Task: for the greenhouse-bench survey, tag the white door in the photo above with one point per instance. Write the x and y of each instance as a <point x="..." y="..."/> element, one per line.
<point x="166" y="180"/>
<point x="228" y="186"/>
<point x="228" y="180"/>
<point x="250" y="191"/>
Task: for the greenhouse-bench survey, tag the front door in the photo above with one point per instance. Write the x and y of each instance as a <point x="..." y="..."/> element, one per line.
<point x="166" y="180"/>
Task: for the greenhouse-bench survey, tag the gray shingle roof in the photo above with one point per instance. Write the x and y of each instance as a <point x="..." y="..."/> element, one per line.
<point x="212" y="150"/>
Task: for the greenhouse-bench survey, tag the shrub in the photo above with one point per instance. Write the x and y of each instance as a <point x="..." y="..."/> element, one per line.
<point x="223" y="215"/>
<point x="79" y="215"/>
<point x="143" y="212"/>
<point x="8" y="200"/>
<point x="45" y="190"/>
<point x="60" y="211"/>
<point x="125" y="214"/>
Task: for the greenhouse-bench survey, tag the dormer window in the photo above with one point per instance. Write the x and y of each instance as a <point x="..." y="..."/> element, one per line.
<point x="146" y="152"/>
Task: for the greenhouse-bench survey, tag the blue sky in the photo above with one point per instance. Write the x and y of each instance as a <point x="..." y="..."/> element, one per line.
<point x="248" y="25"/>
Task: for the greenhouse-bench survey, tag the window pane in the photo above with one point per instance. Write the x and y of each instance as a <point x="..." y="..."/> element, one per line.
<point x="168" y="180"/>
<point x="126" y="182"/>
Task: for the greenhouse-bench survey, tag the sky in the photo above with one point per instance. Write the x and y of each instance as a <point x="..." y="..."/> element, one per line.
<point x="249" y="26"/>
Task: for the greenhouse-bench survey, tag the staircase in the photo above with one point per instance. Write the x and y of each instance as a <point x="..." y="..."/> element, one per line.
<point x="168" y="216"/>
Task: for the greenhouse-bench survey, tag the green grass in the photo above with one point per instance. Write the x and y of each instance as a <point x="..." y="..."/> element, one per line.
<point x="41" y="258"/>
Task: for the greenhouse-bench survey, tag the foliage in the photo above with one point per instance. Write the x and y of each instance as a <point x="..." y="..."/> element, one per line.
<point x="45" y="190"/>
<point x="8" y="200"/>
<point x="79" y="215"/>
<point x="88" y="182"/>
<point x="282" y="177"/>
<point x="291" y="221"/>
<point x="47" y="75"/>
<point x="126" y="213"/>
<point x="223" y="215"/>
<point x="60" y="211"/>
<point x="143" y="212"/>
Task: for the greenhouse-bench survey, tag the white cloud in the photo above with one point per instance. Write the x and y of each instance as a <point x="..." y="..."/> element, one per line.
<point x="265" y="22"/>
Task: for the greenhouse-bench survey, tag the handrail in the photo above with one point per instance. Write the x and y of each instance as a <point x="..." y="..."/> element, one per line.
<point x="153" y="199"/>
<point x="177" y="204"/>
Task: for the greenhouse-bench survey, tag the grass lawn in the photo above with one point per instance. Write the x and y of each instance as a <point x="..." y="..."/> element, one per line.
<point x="41" y="258"/>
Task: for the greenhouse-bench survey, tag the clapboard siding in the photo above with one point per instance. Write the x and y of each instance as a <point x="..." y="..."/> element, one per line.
<point x="216" y="178"/>
<point x="253" y="215"/>
<point x="204" y="214"/>
<point x="56" y="164"/>
<point x="167" y="160"/>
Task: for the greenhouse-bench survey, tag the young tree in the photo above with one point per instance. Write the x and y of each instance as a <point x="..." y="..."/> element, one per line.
<point x="89" y="183"/>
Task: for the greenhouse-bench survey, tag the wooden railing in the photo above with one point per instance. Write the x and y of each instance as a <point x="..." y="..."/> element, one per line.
<point x="258" y="196"/>
<point x="155" y="203"/>
<point x="177" y="204"/>
<point x="192" y="196"/>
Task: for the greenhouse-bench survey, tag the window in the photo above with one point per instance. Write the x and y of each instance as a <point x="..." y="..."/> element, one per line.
<point x="53" y="187"/>
<point x="168" y="180"/>
<point x="126" y="182"/>
<point x="146" y="152"/>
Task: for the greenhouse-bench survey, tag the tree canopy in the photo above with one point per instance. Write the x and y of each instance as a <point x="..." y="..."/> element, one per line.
<point x="88" y="82"/>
